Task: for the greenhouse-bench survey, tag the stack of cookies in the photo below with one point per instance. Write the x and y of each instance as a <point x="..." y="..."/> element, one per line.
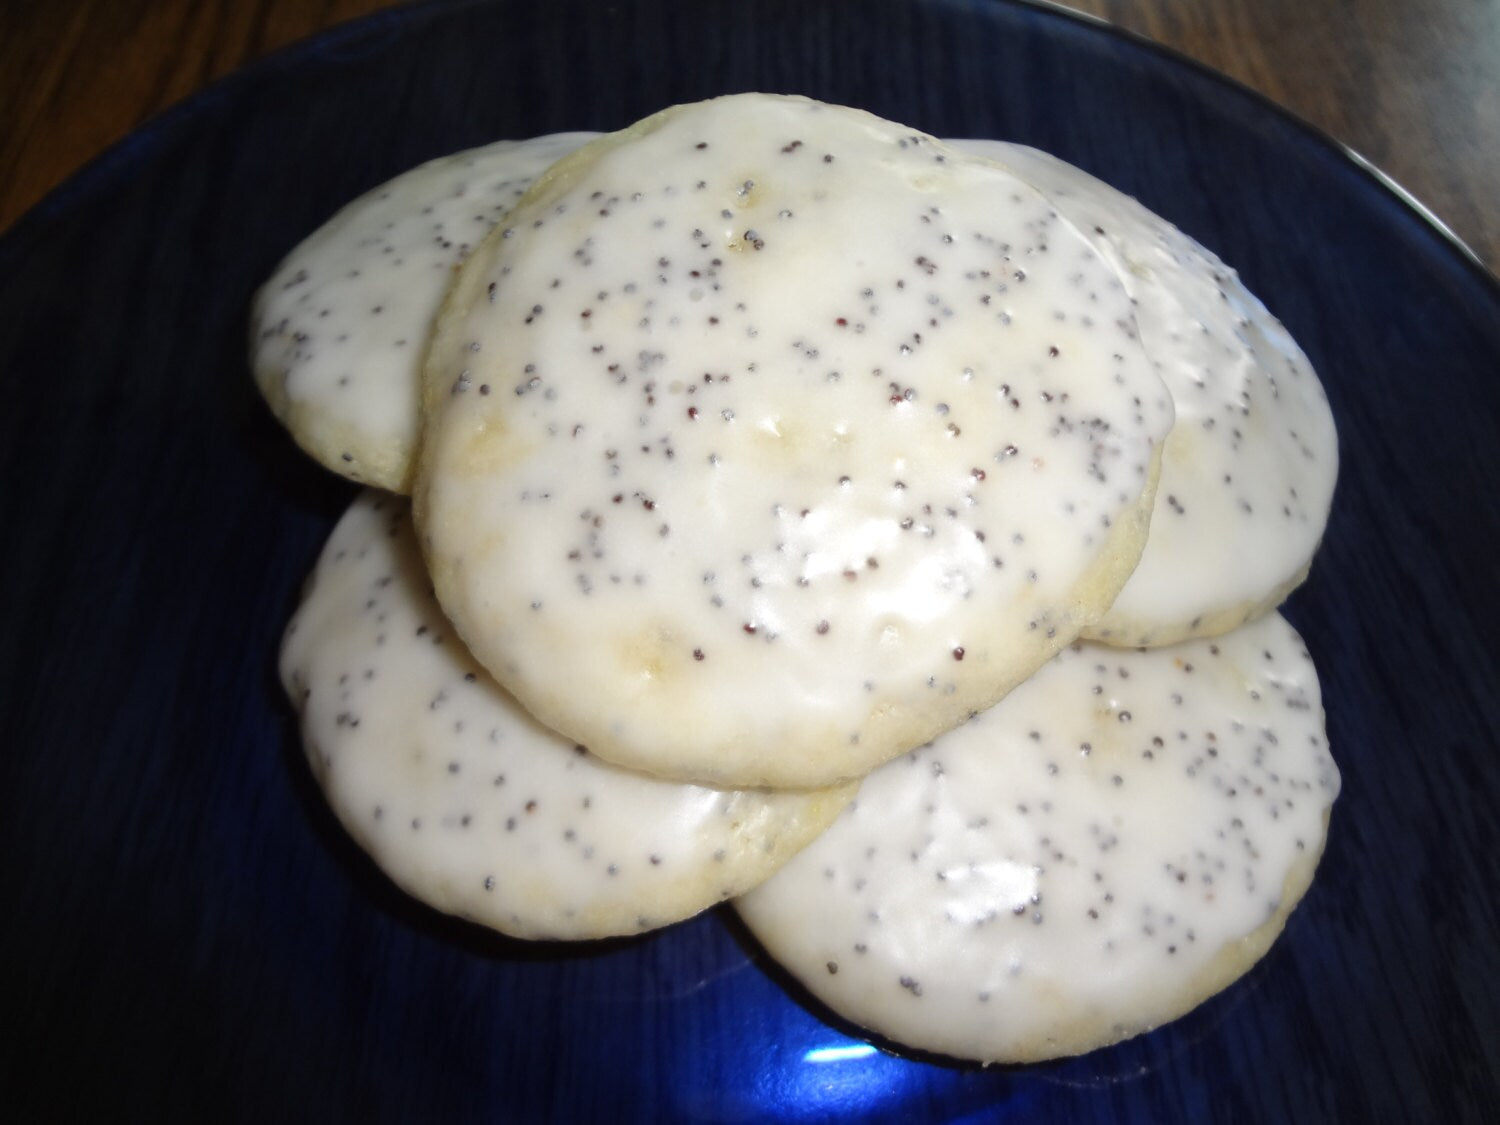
<point x="881" y="533"/>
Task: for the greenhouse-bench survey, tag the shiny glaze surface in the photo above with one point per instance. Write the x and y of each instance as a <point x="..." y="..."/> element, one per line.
<point x="471" y="805"/>
<point x="817" y="435"/>
<point x="1115" y="840"/>
<point x="338" y="332"/>
<point x="1249" y="468"/>
<point x="192" y="935"/>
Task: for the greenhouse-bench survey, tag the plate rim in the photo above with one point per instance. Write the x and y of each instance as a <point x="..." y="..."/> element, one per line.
<point x="98" y="174"/>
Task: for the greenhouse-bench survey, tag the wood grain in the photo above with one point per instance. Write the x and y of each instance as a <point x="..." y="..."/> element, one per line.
<point x="78" y="75"/>
<point x="1413" y="85"/>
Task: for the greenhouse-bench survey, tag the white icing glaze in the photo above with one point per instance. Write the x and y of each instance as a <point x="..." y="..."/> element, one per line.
<point x="1117" y="839"/>
<point x="1249" y="468"/>
<point x="468" y="803"/>
<point x="773" y="440"/>
<point x="338" y="331"/>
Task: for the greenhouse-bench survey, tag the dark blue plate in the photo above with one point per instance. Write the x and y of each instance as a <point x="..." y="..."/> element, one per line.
<point x="188" y="931"/>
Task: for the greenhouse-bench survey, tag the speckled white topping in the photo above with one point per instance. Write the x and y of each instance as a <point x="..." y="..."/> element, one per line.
<point x="768" y="439"/>
<point x="1118" y="839"/>
<point x="338" y="332"/>
<point x="470" y="805"/>
<point x="1249" y="468"/>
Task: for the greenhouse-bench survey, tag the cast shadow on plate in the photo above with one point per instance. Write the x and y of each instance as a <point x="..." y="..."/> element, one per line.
<point x="292" y="480"/>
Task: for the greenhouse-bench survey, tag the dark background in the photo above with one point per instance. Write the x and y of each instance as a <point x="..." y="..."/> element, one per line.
<point x="1413" y="85"/>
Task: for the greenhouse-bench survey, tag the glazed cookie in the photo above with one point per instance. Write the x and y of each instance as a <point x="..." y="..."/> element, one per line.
<point x="768" y="439"/>
<point x="1120" y="838"/>
<point x="337" y="333"/>
<point x="1249" y="468"/>
<point x="471" y="806"/>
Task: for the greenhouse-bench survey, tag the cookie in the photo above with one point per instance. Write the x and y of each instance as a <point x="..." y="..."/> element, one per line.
<point x="338" y="332"/>
<point x="469" y="804"/>
<point x="1249" y="468"/>
<point x="768" y="439"/>
<point x="1121" y="837"/>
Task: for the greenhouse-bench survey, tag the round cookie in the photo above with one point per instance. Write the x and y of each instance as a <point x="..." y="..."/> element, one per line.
<point x="471" y="806"/>
<point x="1249" y="468"/>
<point x="768" y="439"/>
<point x="338" y="331"/>
<point x="1121" y="837"/>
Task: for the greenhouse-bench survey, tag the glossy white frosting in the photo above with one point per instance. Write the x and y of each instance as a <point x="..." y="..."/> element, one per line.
<point x="773" y="438"/>
<point x="1249" y="468"/>
<point x="1120" y="837"/>
<point x="339" y="330"/>
<point x="468" y="803"/>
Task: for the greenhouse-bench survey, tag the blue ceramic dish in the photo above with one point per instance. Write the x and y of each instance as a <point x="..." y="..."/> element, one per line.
<point x="190" y="933"/>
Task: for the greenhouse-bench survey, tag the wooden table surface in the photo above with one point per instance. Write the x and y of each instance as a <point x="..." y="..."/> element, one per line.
<point x="1412" y="85"/>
